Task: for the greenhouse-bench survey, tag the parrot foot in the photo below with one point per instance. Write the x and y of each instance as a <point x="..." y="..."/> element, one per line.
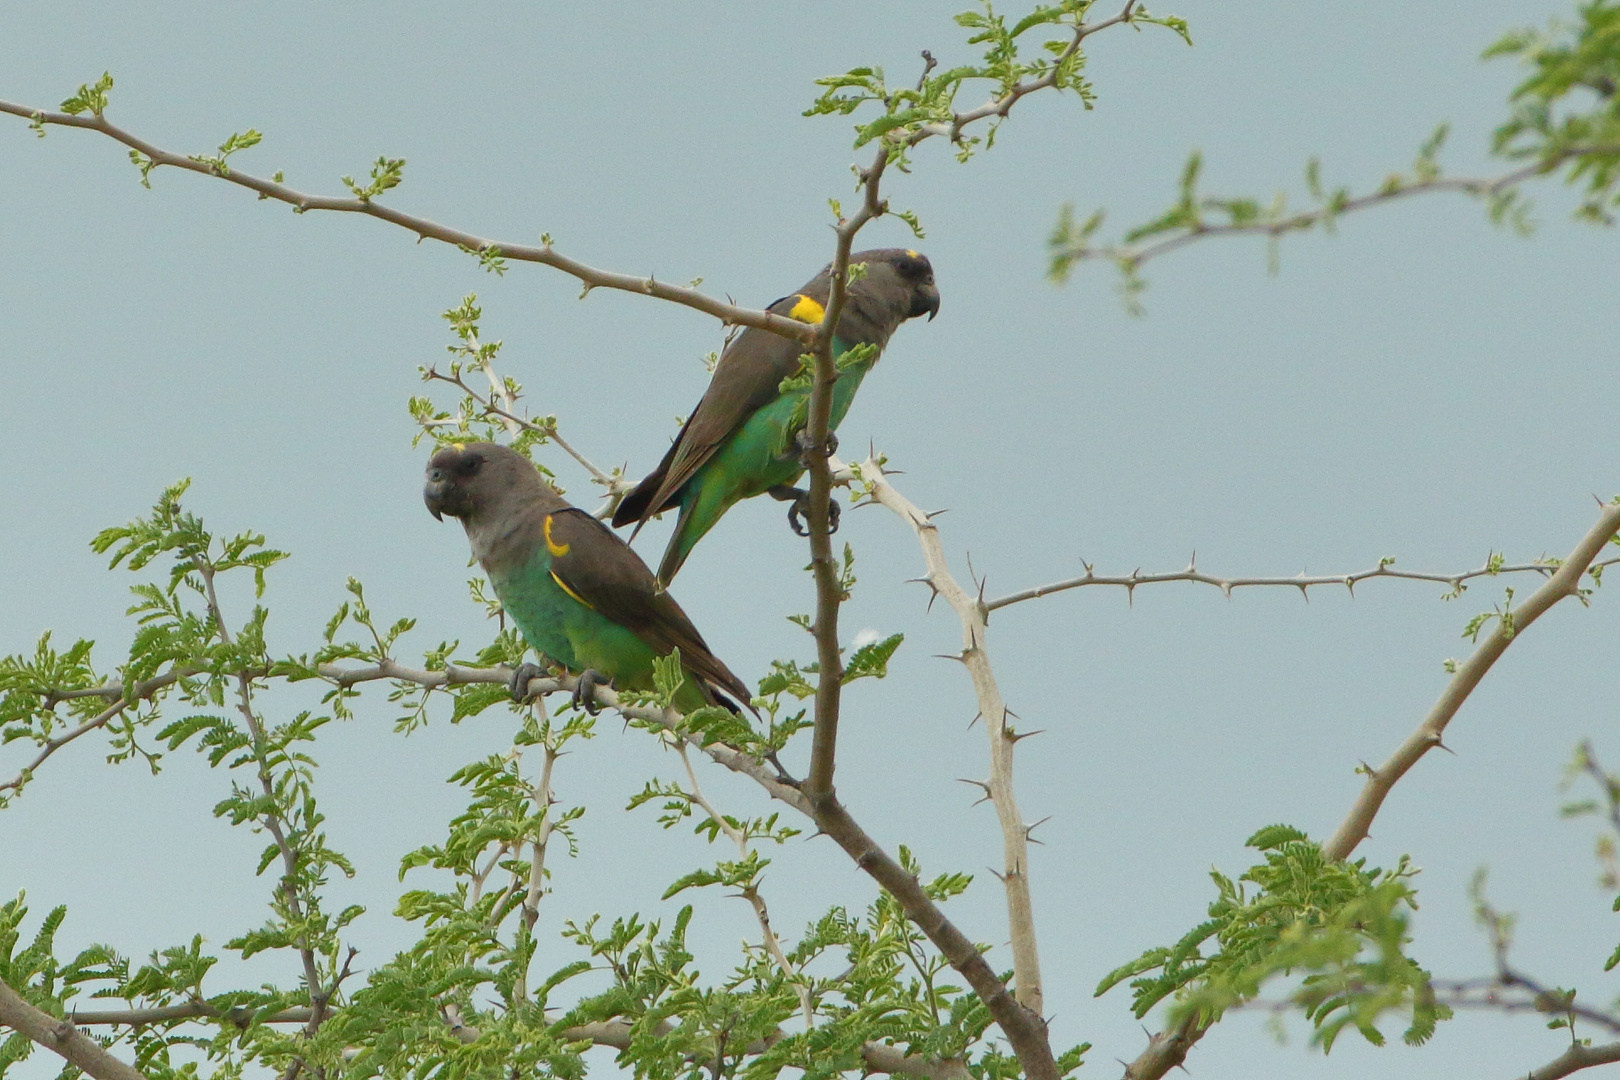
<point x="799" y="512"/>
<point x="807" y="447"/>
<point x="520" y="681"/>
<point x="585" y="690"/>
<point x="782" y="775"/>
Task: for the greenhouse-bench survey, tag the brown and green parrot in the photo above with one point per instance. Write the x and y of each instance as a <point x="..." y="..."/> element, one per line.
<point x="743" y="438"/>
<point x="582" y="598"/>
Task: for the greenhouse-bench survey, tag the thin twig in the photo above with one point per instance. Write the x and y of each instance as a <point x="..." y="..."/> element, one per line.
<point x="1134" y="256"/>
<point x="750" y="893"/>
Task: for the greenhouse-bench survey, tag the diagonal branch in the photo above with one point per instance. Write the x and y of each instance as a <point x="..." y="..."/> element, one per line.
<point x="1562" y="585"/>
<point x="1168" y="1048"/>
<point x="544" y="254"/>
<point x="1579" y="1056"/>
<point x="62" y="1038"/>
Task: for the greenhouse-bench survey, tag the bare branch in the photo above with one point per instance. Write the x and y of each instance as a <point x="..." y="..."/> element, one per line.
<point x="1385" y="569"/>
<point x="970" y="610"/>
<point x="1576" y="1058"/>
<point x="1498" y="994"/>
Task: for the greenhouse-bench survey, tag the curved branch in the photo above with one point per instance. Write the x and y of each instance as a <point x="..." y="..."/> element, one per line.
<point x="1573" y="1060"/>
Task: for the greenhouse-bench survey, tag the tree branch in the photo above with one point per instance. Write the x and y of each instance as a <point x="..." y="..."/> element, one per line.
<point x="1167" y="1049"/>
<point x="544" y="254"/>
<point x="818" y="448"/>
<point x="1025" y="1012"/>
<point x="1133" y="256"/>
<point x="879" y="1057"/>
<point x="751" y="891"/>
<point x="973" y="614"/>
<point x="1563" y="584"/>
<point x="1492" y="568"/>
<point x="1573" y="1060"/>
<point x="61" y="1038"/>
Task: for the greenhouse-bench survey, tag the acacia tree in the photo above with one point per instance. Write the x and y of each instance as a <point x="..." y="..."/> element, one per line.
<point x="876" y="990"/>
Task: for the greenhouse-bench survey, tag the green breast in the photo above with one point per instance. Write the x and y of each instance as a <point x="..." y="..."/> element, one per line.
<point x="762" y="453"/>
<point x="569" y="631"/>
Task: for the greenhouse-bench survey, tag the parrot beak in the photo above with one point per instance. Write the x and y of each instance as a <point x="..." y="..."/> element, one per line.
<point x="433" y="494"/>
<point x="927" y="299"/>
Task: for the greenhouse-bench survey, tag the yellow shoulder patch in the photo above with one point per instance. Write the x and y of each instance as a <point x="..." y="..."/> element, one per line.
<point x="807" y="310"/>
<point x="557" y="550"/>
<point x="563" y="585"/>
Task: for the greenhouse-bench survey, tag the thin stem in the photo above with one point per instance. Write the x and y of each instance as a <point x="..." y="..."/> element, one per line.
<point x="750" y="893"/>
<point x="1134" y="256"/>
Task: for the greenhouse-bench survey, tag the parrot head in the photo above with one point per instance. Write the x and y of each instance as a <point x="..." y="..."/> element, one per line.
<point x="467" y="480"/>
<point x="907" y="272"/>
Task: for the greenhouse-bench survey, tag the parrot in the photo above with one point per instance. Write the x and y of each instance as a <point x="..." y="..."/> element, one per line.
<point x="582" y="598"/>
<point x="743" y="438"/>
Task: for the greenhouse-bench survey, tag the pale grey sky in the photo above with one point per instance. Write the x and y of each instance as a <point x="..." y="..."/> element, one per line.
<point x="1422" y="386"/>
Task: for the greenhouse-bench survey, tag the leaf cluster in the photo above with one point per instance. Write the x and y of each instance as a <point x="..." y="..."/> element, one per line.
<point x="1565" y="113"/>
<point x="1037" y="50"/>
<point x="1340" y="926"/>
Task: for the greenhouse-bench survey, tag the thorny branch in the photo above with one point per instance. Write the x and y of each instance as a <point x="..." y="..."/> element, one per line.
<point x="1564" y="583"/>
<point x="971" y="610"/>
<point x="1167" y="1049"/>
<point x="1493" y="567"/>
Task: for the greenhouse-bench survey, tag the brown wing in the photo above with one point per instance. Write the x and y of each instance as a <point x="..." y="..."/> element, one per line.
<point x="600" y="569"/>
<point x="746" y="379"/>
